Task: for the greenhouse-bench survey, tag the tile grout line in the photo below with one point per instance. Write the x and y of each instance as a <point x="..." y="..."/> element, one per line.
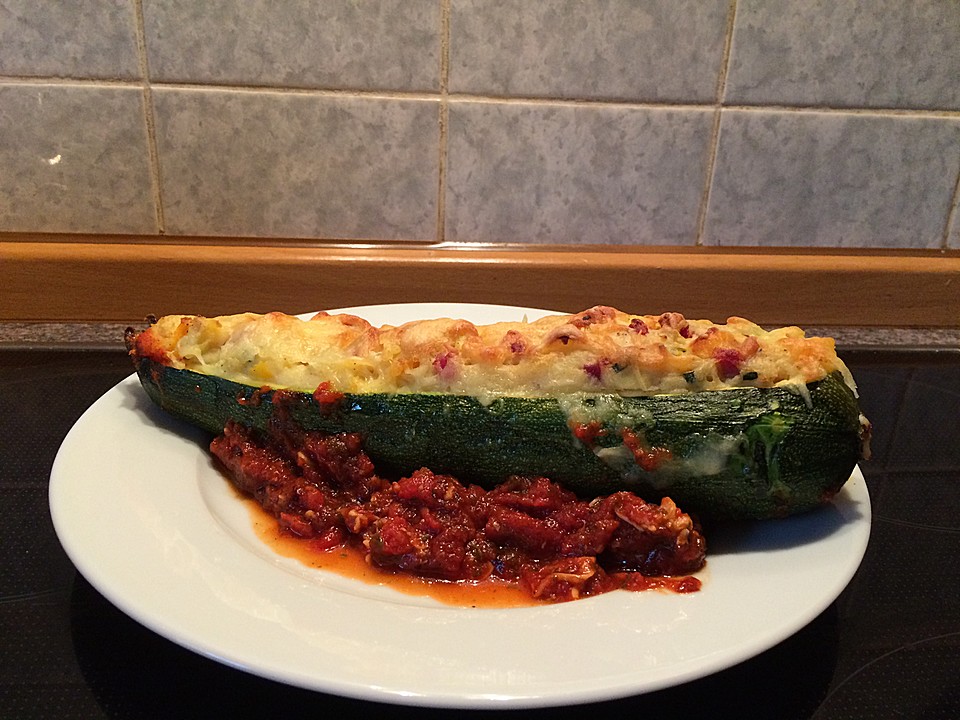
<point x="149" y="119"/>
<point x="941" y="113"/>
<point x="577" y="102"/>
<point x="953" y="212"/>
<point x="443" y="120"/>
<point x="715" y="130"/>
<point x="879" y="111"/>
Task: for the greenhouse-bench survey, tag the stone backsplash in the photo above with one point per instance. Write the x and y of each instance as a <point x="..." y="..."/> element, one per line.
<point x="654" y="122"/>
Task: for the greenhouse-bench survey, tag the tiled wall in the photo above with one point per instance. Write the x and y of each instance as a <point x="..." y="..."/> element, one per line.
<point x="668" y="122"/>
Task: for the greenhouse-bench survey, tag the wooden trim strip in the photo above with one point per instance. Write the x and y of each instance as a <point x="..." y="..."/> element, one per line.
<point x="47" y="280"/>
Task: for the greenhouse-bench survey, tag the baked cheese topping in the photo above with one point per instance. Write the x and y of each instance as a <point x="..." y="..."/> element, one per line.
<point x="598" y="350"/>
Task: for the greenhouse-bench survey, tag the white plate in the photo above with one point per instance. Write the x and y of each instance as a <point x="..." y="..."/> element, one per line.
<point x="146" y="518"/>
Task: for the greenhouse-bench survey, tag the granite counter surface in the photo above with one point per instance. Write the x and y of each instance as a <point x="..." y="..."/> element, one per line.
<point x="107" y="335"/>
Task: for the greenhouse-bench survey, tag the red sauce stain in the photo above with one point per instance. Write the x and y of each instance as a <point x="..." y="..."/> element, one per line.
<point x="648" y="458"/>
<point x="325" y="395"/>
<point x="587" y="433"/>
<point x="255" y="399"/>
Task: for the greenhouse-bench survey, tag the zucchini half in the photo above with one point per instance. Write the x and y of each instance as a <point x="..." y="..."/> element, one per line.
<point x="741" y="453"/>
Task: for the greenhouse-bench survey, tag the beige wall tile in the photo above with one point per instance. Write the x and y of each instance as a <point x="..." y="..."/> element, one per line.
<point x="953" y="232"/>
<point x="393" y="44"/>
<point x="845" y="53"/>
<point x="543" y="173"/>
<point x="68" y="39"/>
<point x="664" y="50"/>
<point x="74" y="159"/>
<point x="832" y="180"/>
<point x="296" y="165"/>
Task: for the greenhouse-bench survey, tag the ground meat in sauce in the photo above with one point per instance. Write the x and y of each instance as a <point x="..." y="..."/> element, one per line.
<point x="529" y="531"/>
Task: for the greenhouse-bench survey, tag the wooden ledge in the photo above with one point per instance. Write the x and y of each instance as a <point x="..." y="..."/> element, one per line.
<point x="118" y="280"/>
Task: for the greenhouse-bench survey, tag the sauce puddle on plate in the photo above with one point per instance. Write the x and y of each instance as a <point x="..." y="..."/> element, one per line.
<point x="349" y="562"/>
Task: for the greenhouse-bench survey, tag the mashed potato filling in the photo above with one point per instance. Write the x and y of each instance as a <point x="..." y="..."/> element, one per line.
<point x="595" y="351"/>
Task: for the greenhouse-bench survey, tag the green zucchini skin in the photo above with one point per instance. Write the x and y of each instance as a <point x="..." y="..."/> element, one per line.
<point x="744" y="453"/>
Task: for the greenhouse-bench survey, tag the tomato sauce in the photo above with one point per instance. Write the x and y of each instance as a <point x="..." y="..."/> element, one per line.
<point x="348" y="561"/>
<point x="528" y="534"/>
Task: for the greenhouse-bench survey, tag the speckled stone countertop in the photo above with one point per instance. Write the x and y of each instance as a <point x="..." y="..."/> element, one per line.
<point x="45" y="335"/>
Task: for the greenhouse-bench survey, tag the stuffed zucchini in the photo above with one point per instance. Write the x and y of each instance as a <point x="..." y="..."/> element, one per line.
<point x="729" y="421"/>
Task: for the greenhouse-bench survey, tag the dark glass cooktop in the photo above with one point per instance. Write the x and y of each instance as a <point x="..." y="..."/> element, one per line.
<point x="888" y="647"/>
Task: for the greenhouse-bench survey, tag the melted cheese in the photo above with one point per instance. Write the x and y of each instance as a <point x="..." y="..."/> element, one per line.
<point x="598" y="350"/>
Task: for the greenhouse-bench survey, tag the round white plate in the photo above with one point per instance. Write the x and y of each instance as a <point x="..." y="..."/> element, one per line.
<point x="148" y="520"/>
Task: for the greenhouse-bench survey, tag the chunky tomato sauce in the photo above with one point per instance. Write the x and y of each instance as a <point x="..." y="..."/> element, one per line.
<point x="349" y="561"/>
<point x="528" y="532"/>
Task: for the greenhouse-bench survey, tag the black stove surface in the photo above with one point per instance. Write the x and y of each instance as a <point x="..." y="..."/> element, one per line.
<point x="888" y="647"/>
